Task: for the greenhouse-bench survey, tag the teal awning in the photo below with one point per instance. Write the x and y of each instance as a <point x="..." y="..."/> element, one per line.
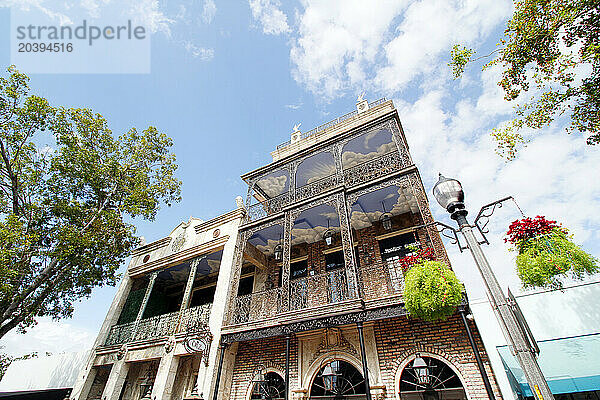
<point x="569" y="365"/>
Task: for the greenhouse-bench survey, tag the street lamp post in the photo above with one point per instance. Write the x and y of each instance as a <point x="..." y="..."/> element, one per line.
<point x="450" y="195"/>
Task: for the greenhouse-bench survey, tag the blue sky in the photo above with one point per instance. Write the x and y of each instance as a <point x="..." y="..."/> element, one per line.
<point x="229" y="80"/>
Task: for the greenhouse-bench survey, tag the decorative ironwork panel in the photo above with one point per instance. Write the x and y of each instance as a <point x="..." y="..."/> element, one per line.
<point x="154" y="327"/>
<point x="317" y="187"/>
<point x="268" y="207"/>
<point x="238" y="257"/>
<point x="318" y="290"/>
<point x="380" y="280"/>
<point x="373" y="169"/>
<point x="419" y="193"/>
<point x="120" y="334"/>
<point x="192" y="318"/>
<point x="347" y="246"/>
<point x="257" y="306"/>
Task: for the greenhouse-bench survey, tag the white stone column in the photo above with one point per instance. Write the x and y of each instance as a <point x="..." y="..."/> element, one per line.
<point x="116" y="380"/>
<point x="206" y="373"/>
<point x="165" y="377"/>
<point x="86" y="376"/>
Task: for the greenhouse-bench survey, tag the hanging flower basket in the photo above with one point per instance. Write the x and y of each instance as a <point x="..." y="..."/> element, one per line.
<point x="432" y="291"/>
<point x="546" y="254"/>
<point x="417" y="257"/>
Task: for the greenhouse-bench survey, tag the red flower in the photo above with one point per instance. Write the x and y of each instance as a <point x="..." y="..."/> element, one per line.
<point x="418" y="257"/>
<point x="528" y="228"/>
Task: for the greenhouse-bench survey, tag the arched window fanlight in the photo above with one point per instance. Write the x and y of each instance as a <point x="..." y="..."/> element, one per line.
<point x="269" y="386"/>
<point x="337" y="379"/>
<point x="426" y="377"/>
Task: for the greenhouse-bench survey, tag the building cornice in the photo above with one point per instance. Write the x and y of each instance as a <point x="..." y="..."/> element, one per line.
<point x="157" y="244"/>
<point x="176" y="258"/>
<point x="238" y="213"/>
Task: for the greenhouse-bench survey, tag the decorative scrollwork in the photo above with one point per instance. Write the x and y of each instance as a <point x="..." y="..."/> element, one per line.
<point x="317" y="187"/>
<point x="268" y="207"/>
<point x="257" y="306"/>
<point x="373" y="169"/>
<point x="483" y="217"/>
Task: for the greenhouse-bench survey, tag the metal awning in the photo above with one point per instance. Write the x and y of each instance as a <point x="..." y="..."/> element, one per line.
<point x="569" y="364"/>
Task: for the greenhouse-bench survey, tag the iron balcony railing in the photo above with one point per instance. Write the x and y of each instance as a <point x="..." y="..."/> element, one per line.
<point x="257" y="306"/>
<point x="317" y="290"/>
<point x="159" y="325"/>
<point x="378" y="281"/>
<point x="381" y="280"/>
<point x="331" y="123"/>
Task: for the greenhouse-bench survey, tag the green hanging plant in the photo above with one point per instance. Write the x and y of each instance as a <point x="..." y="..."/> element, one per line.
<point x="431" y="291"/>
<point x="546" y="254"/>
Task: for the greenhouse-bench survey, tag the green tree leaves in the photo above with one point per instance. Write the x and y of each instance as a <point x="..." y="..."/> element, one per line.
<point x="550" y="60"/>
<point x="66" y="186"/>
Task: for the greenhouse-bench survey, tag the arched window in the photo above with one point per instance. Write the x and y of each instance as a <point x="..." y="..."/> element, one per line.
<point x="427" y="378"/>
<point x="269" y="386"/>
<point x="338" y="380"/>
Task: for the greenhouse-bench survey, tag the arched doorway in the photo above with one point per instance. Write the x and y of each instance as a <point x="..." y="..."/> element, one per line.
<point x="427" y="378"/>
<point x="338" y="380"/>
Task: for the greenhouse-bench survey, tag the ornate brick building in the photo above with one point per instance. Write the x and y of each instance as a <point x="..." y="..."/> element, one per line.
<point x="297" y="294"/>
<point x="316" y="300"/>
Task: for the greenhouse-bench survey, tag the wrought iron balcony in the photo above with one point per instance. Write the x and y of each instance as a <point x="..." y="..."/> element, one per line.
<point x="321" y="289"/>
<point x="352" y="176"/>
<point x="158" y="326"/>
<point x="373" y="169"/>
<point x="268" y="207"/>
<point x="257" y="306"/>
<point x="381" y="280"/>
<point x="317" y="187"/>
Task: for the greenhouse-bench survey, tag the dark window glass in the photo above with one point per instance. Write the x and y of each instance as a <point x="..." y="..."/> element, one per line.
<point x="334" y="260"/>
<point x="203" y="296"/>
<point x="298" y="269"/>
<point x="357" y="256"/>
<point x="396" y="246"/>
<point x="246" y="286"/>
<point x="279" y="276"/>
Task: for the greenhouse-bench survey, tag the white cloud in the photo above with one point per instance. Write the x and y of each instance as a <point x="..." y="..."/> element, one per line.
<point x="208" y="11"/>
<point x="351" y="45"/>
<point x="271" y="18"/>
<point x="48" y="336"/>
<point x="273" y="185"/>
<point x="202" y="53"/>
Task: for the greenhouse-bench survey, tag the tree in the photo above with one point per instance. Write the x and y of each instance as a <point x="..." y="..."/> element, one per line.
<point x="552" y="46"/>
<point x="67" y="189"/>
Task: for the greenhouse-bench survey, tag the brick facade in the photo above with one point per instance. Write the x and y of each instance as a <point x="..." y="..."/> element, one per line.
<point x="396" y="342"/>
<point x="260" y="355"/>
<point x="399" y="338"/>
